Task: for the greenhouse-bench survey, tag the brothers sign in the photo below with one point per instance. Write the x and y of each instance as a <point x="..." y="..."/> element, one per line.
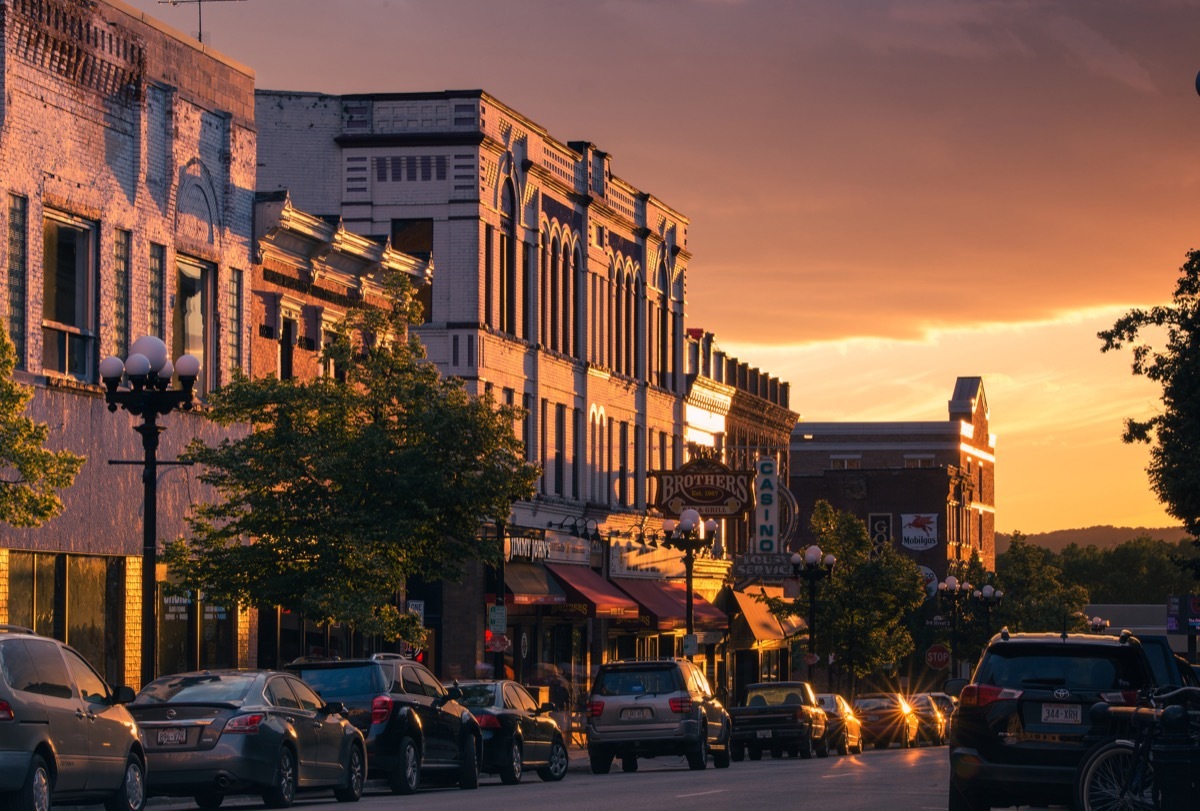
<point x="705" y="485"/>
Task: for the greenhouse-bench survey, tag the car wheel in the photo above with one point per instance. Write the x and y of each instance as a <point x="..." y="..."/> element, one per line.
<point x="961" y="801"/>
<point x="510" y="769"/>
<point x="737" y="751"/>
<point x="559" y="759"/>
<point x="36" y="793"/>
<point x="755" y="753"/>
<point x="468" y="770"/>
<point x="806" y="748"/>
<point x="131" y="796"/>
<point x="356" y="775"/>
<point x="601" y="762"/>
<point x="822" y="747"/>
<point x="406" y="779"/>
<point x="721" y="758"/>
<point x="282" y="792"/>
<point x="697" y="758"/>
<point x="843" y="747"/>
<point x="209" y="800"/>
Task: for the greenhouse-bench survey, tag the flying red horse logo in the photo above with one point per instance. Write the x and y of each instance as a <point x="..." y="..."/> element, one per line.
<point x="922" y="523"/>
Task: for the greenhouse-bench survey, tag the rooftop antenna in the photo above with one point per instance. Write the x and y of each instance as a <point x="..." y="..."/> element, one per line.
<point x="199" y="11"/>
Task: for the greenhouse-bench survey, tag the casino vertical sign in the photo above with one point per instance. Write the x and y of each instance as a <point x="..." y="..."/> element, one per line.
<point x="766" y="506"/>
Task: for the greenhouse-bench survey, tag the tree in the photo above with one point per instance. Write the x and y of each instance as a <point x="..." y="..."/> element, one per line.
<point x="1140" y="570"/>
<point x="1173" y="433"/>
<point x="350" y="484"/>
<point x="863" y="608"/>
<point x="1036" y="595"/>
<point x="30" y="474"/>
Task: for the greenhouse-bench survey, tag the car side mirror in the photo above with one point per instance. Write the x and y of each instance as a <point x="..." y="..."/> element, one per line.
<point x="123" y="695"/>
<point x="547" y="707"/>
<point x="454" y="693"/>
<point x="953" y="687"/>
<point x="334" y="708"/>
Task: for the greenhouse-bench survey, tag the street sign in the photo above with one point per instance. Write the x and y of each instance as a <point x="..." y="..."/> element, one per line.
<point x="937" y="657"/>
<point x="499" y="643"/>
<point x="497" y="619"/>
<point x="418" y="607"/>
<point x="690" y="645"/>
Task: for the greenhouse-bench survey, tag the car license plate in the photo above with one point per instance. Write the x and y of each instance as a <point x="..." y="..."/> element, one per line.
<point x="638" y="712"/>
<point x="172" y="736"/>
<point x="1062" y="714"/>
<point x="764" y="733"/>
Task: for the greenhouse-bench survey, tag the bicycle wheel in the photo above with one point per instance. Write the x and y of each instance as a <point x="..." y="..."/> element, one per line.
<point x="1116" y="777"/>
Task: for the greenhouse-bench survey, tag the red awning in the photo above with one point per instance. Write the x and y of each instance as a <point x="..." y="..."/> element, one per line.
<point x="665" y="604"/>
<point x="603" y="598"/>
<point x="528" y="584"/>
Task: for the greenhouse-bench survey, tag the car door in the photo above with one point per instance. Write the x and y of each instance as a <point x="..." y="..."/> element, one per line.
<point x="713" y="711"/>
<point x="286" y="706"/>
<point x="66" y="713"/>
<point x="535" y="729"/>
<point x="445" y="717"/>
<point x="108" y="726"/>
<point x="436" y="749"/>
<point x="328" y="729"/>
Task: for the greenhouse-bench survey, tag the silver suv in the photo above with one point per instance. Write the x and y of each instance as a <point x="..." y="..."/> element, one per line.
<point x="64" y="735"/>
<point x="650" y="707"/>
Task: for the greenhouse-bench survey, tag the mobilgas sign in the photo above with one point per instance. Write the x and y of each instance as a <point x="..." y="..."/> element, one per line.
<point x="705" y="485"/>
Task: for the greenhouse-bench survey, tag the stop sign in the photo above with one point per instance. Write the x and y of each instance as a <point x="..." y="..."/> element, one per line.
<point x="937" y="657"/>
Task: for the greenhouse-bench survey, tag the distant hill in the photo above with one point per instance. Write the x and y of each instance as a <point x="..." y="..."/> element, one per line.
<point x="1103" y="537"/>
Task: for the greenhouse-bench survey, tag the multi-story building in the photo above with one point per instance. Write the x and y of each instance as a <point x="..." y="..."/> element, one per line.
<point x="926" y="487"/>
<point x="127" y="160"/>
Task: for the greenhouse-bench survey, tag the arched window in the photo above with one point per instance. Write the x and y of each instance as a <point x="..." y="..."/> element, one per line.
<point x="555" y="304"/>
<point x="568" y="296"/>
<point x="544" y="286"/>
<point x="619" y="360"/>
<point x="630" y="318"/>
<point x="508" y="261"/>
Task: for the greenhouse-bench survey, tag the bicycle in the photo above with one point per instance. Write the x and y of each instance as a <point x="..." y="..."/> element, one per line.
<point x="1152" y="770"/>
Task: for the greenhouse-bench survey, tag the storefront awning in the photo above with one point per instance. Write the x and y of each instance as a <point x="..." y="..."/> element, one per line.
<point x="664" y="604"/>
<point x="602" y="598"/>
<point x="757" y="627"/>
<point x="530" y="584"/>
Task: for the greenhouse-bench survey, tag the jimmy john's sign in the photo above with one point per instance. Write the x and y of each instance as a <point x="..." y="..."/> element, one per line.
<point x="705" y="485"/>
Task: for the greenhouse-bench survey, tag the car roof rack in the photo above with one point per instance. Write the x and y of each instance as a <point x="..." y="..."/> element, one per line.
<point x="16" y="629"/>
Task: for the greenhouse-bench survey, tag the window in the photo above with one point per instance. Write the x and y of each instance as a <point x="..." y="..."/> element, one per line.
<point x="69" y="297"/>
<point x="845" y="462"/>
<point x="158" y="282"/>
<point x="194" y="325"/>
<point x="623" y="456"/>
<point x="308" y="699"/>
<point x="18" y="269"/>
<point x="918" y="461"/>
<point x="280" y="695"/>
<point x="92" y="688"/>
<point x="488" y="281"/>
<point x="122" y="244"/>
<point x="235" y="318"/>
<point x="287" y="348"/>
<point x="560" y="448"/>
<point x="413" y="237"/>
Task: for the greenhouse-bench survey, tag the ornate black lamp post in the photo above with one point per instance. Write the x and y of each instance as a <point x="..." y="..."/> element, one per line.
<point x="149" y="395"/>
<point x="987" y="598"/>
<point x="1098" y="625"/>
<point x="952" y="593"/>
<point x="689" y="536"/>
<point x="812" y="566"/>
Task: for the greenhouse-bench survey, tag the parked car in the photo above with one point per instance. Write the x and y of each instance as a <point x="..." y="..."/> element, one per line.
<point x="414" y="726"/>
<point x="946" y="704"/>
<point x="213" y="733"/>
<point x="931" y="723"/>
<point x="842" y="729"/>
<point x="778" y="717"/>
<point x="517" y="733"/>
<point x="646" y="708"/>
<point x="1022" y="724"/>
<point x="65" y="735"/>
<point x="886" y="718"/>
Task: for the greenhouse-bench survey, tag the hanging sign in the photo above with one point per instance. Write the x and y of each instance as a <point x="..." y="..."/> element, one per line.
<point x="766" y="506"/>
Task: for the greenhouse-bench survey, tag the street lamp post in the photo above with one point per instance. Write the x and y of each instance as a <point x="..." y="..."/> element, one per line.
<point x="812" y="566"/>
<point x="689" y="536"/>
<point x="952" y="594"/>
<point x="1098" y="625"/>
<point x="988" y="597"/>
<point x="149" y="395"/>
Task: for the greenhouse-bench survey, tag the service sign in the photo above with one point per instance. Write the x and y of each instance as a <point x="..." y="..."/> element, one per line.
<point x="919" y="531"/>
<point x="766" y="506"/>
<point x="705" y="485"/>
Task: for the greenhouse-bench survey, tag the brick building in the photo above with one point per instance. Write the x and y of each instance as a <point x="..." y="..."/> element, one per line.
<point x="127" y="159"/>
<point x="929" y="488"/>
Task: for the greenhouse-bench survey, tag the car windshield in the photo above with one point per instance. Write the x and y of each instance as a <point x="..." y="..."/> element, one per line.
<point x="1062" y="666"/>
<point x="877" y="703"/>
<point x="196" y="687"/>
<point x="477" y="695"/>
<point x="343" y="681"/>
<point x="828" y="702"/>
<point x="773" y="694"/>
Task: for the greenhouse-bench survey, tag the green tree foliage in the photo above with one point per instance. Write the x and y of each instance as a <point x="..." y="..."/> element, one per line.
<point x="1141" y="570"/>
<point x="30" y="475"/>
<point x="1174" y="432"/>
<point x="863" y="609"/>
<point x="349" y="485"/>
<point x="1037" y="596"/>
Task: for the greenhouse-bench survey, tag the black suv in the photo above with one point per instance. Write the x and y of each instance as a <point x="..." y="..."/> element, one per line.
<point x="644" y="708"/>
<point x="1022" y="724"/>
<point x="413" y="724"/>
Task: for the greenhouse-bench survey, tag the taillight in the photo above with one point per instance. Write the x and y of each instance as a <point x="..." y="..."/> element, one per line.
<point x="681" y="705"/>
<point x="980" y="695"/>
<point x="595" y="709"/>
<point x="1123" y="697"/>
<point x="487" y="721"/>
<point x="6" y="711"/>
<point x="381" y="709"/>
<point x="245" y="724"/>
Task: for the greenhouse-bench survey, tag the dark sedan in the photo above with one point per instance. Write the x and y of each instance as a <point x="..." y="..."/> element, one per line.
<point x="886" y="718"/>
<point x="842" y="730"/>
<point x="932" y="724"/>
<point x="517" y="733"/>
<point x="214" y="733"/>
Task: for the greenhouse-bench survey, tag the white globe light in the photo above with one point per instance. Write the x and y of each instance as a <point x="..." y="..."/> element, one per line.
<point x="188" y="366"/>
<point x="988" y="591"/>
<point x="111" y="367"/>
<point x="797" y="559"/>
<point x="952" y="583"/>
<point x="812" y="555"/>
<point x="167" y="370"/>
<point x="689" y="519"/>
<point x="829" y="560"/>
<point x="154" y="350"/>
<point x="137" y="365"/>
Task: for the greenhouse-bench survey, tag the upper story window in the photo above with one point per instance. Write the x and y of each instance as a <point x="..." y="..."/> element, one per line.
<point x="69" y="310"/>
<point x="918" y="461"/>
<point x="845" y="462"/>
<point x="194" y="320"/>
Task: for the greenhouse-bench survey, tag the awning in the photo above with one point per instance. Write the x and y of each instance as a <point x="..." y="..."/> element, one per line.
<point x="602" y="598"/>
<point x="664" y="604"/>
<point x="528" y="584"/>
<point x="757" y="627"/>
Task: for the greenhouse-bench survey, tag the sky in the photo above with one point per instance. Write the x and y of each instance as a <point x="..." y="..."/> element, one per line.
<point x="883" y="195"/>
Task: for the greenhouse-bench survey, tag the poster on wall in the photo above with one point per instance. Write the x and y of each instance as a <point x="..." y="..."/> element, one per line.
<point x="918" y="531"/>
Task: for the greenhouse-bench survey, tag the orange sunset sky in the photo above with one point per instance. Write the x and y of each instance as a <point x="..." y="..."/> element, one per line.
<point x="883" y="196"/>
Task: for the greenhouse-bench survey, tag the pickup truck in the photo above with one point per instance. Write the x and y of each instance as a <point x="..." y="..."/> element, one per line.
<point x="778" y="717"/>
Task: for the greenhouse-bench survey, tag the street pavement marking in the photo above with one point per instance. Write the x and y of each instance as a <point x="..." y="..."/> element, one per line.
<point x="702" y="793"/>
